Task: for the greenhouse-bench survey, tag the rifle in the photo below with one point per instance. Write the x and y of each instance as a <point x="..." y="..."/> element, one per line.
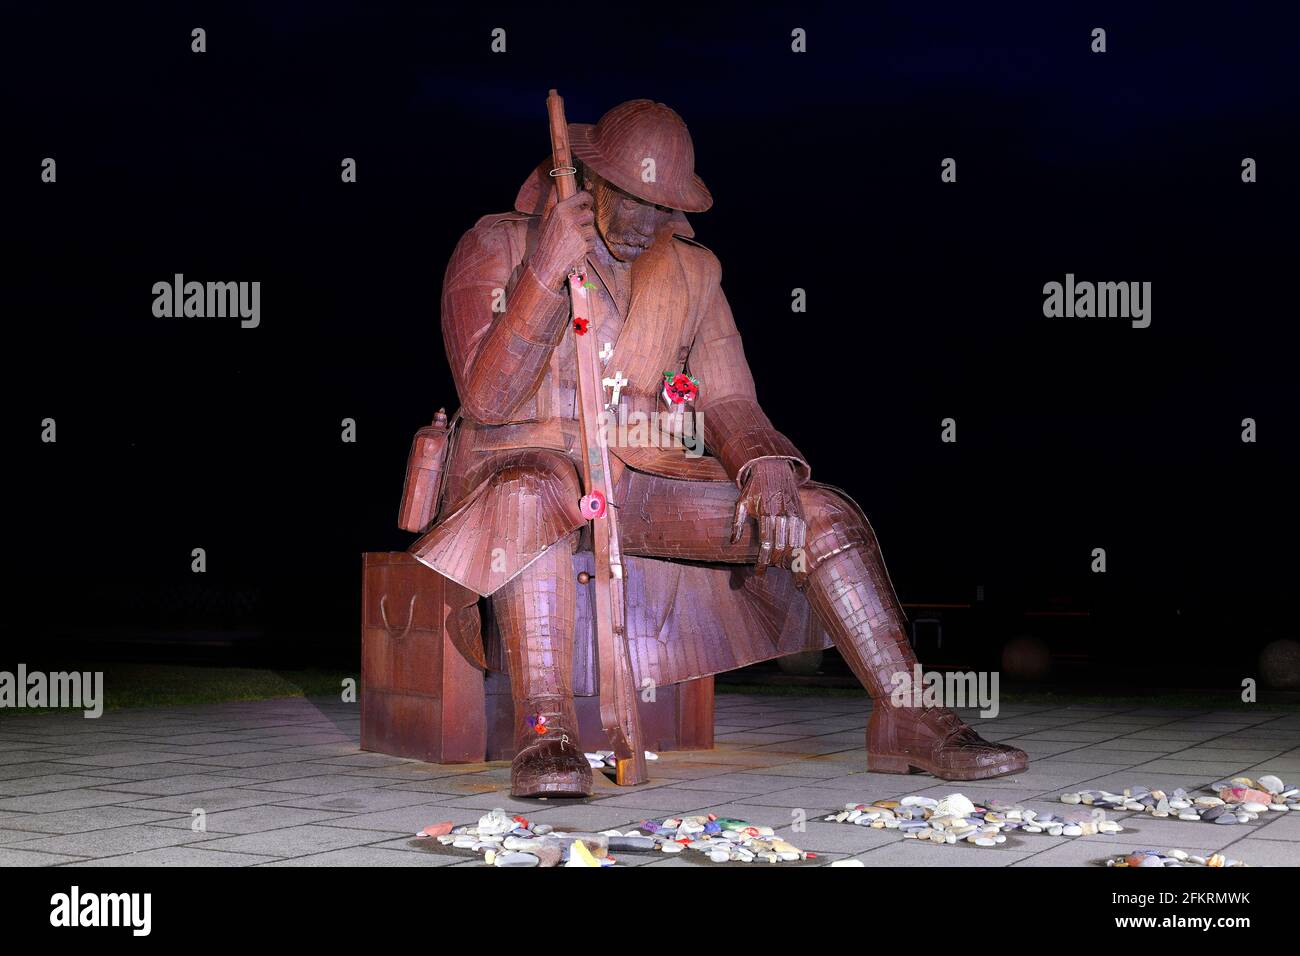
<point x="618" y="704"/>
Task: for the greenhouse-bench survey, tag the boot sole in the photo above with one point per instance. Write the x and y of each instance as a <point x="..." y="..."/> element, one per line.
<point x="552" y="788"/>
<point x="891" y="764"/>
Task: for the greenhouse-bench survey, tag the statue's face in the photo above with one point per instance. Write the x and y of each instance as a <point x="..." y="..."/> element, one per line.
<point x="626" y="224"/>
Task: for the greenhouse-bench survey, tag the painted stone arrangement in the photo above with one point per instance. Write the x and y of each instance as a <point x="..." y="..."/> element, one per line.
<point x="515" y="842"/>
<point x="1172" y="858"/>
<point x="1240" y="800"/>
<point x="723" y="839"/>
<point x="955" y="818"/>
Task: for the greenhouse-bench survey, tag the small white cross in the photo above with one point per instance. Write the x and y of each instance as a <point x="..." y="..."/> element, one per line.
<point x="606" y="351"/>
<point x="616" y="383"/>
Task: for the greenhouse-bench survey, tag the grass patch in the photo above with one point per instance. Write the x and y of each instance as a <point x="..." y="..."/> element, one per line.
<point x="181" y="685"/>
<point x="1216" y="700"/>
<point x="789" y="690"/>
<point x="1202" y="700"/>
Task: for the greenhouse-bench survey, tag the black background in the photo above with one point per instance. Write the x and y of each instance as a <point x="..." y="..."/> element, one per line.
<point x="924" y="298"/>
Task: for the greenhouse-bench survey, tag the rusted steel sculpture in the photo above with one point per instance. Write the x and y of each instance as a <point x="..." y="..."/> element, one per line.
<point x="730" y="553"/>
<point x="618" y="708"/>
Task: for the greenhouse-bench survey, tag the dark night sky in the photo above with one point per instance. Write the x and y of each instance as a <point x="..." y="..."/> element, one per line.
<point x="924" y="298"/>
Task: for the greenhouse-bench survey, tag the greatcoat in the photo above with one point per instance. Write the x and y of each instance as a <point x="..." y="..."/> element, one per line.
<point x="512" y="481"/>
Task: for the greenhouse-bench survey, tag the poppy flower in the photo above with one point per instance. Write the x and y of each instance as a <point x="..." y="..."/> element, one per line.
<point x="580" y="325"/>
<point x="680" y="388"/>
<point x="592" y="506"/>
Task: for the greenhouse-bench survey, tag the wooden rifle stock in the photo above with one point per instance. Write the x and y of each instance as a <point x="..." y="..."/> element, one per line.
<point x="618" y="698"/>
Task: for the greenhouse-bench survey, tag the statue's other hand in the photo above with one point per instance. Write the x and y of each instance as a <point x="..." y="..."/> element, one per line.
<point x="771" y="497"/>
<point x="567" y="236"/>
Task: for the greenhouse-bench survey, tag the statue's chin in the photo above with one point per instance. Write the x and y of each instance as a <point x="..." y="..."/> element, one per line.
<point x="625" y="253"/>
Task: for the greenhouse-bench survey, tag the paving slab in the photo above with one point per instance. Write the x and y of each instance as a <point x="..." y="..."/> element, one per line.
<point x="70" y="799"/>
<point x="179" y="856"/>
<point x="1280" y="826"/>
<point x="208" y="800"/>
<point x="368" y="856"/>
<point x="38" y="768"/>
<point x="124" y="758"/>
<point x="296" y="841"/>
<point x="114" y="841"/>
<point x="358" y="801"/>
<point x="147" y="771"/>
<point x="255" y="819"/>
<point x="1163" y="834"/>
<point x="661" y="800"/>
<point x="322" y="784"/>
<point x="1259" y="852"/>
<point x="409" y="820"/>
<point x="82" y="820"/>
<point x="905" y="852"/>
<point x="817" y="836"/>
<point x="182" y="784"/>
<point x="1203" y="768"/>
<point x="50" y="783"/>
<point x="15" y="856"/>
<point x="285" y="770"/>
<point x="811" y="768"/>
<point x="12" y="758"/>
<point x="1079" y="852"/>
<point x="242" y="760"/>
<point x="745" y="782"/>
<point x="285" y="783"/>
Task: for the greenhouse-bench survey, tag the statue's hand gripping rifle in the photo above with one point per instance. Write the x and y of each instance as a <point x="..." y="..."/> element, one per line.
<point x="618" y="699"/>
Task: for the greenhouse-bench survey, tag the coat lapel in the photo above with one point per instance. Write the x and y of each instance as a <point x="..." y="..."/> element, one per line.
<point x="657" y="313"/>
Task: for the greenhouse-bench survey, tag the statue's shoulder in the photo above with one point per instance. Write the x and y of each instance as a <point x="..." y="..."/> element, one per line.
<point x="510" y="220"/>
<point x="697" y="258"/>
<point x="501" y="235"/>
<point x="504" y="223"/>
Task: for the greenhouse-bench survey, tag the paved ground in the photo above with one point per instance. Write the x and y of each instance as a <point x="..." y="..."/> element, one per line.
<point x="283" y="783"/>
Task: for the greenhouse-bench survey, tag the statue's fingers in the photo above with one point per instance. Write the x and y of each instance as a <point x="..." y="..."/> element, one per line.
<point x="798" y="552"/>
<point x="742" y="511"/>
<point x="792" y="545"/>
<point x="799" y="534"/>
<point x="781" y="544"/>
<point x="764" y="544"/>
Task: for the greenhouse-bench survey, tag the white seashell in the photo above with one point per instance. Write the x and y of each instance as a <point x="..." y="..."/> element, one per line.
<point x="1271" y="784"/>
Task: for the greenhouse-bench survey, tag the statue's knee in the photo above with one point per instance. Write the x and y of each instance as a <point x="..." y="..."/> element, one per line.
<point x="537" y="479"/>
<point x="825" y="509"/>
<point x="522" y="479"/>
<point x="834" y="523"/>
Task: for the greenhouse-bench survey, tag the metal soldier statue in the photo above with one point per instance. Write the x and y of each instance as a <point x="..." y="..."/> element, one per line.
<point x="719" y="560"/>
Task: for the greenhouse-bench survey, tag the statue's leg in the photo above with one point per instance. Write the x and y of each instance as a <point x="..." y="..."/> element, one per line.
<point x="850" y="591"/>
<point x="535" y="613"/>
